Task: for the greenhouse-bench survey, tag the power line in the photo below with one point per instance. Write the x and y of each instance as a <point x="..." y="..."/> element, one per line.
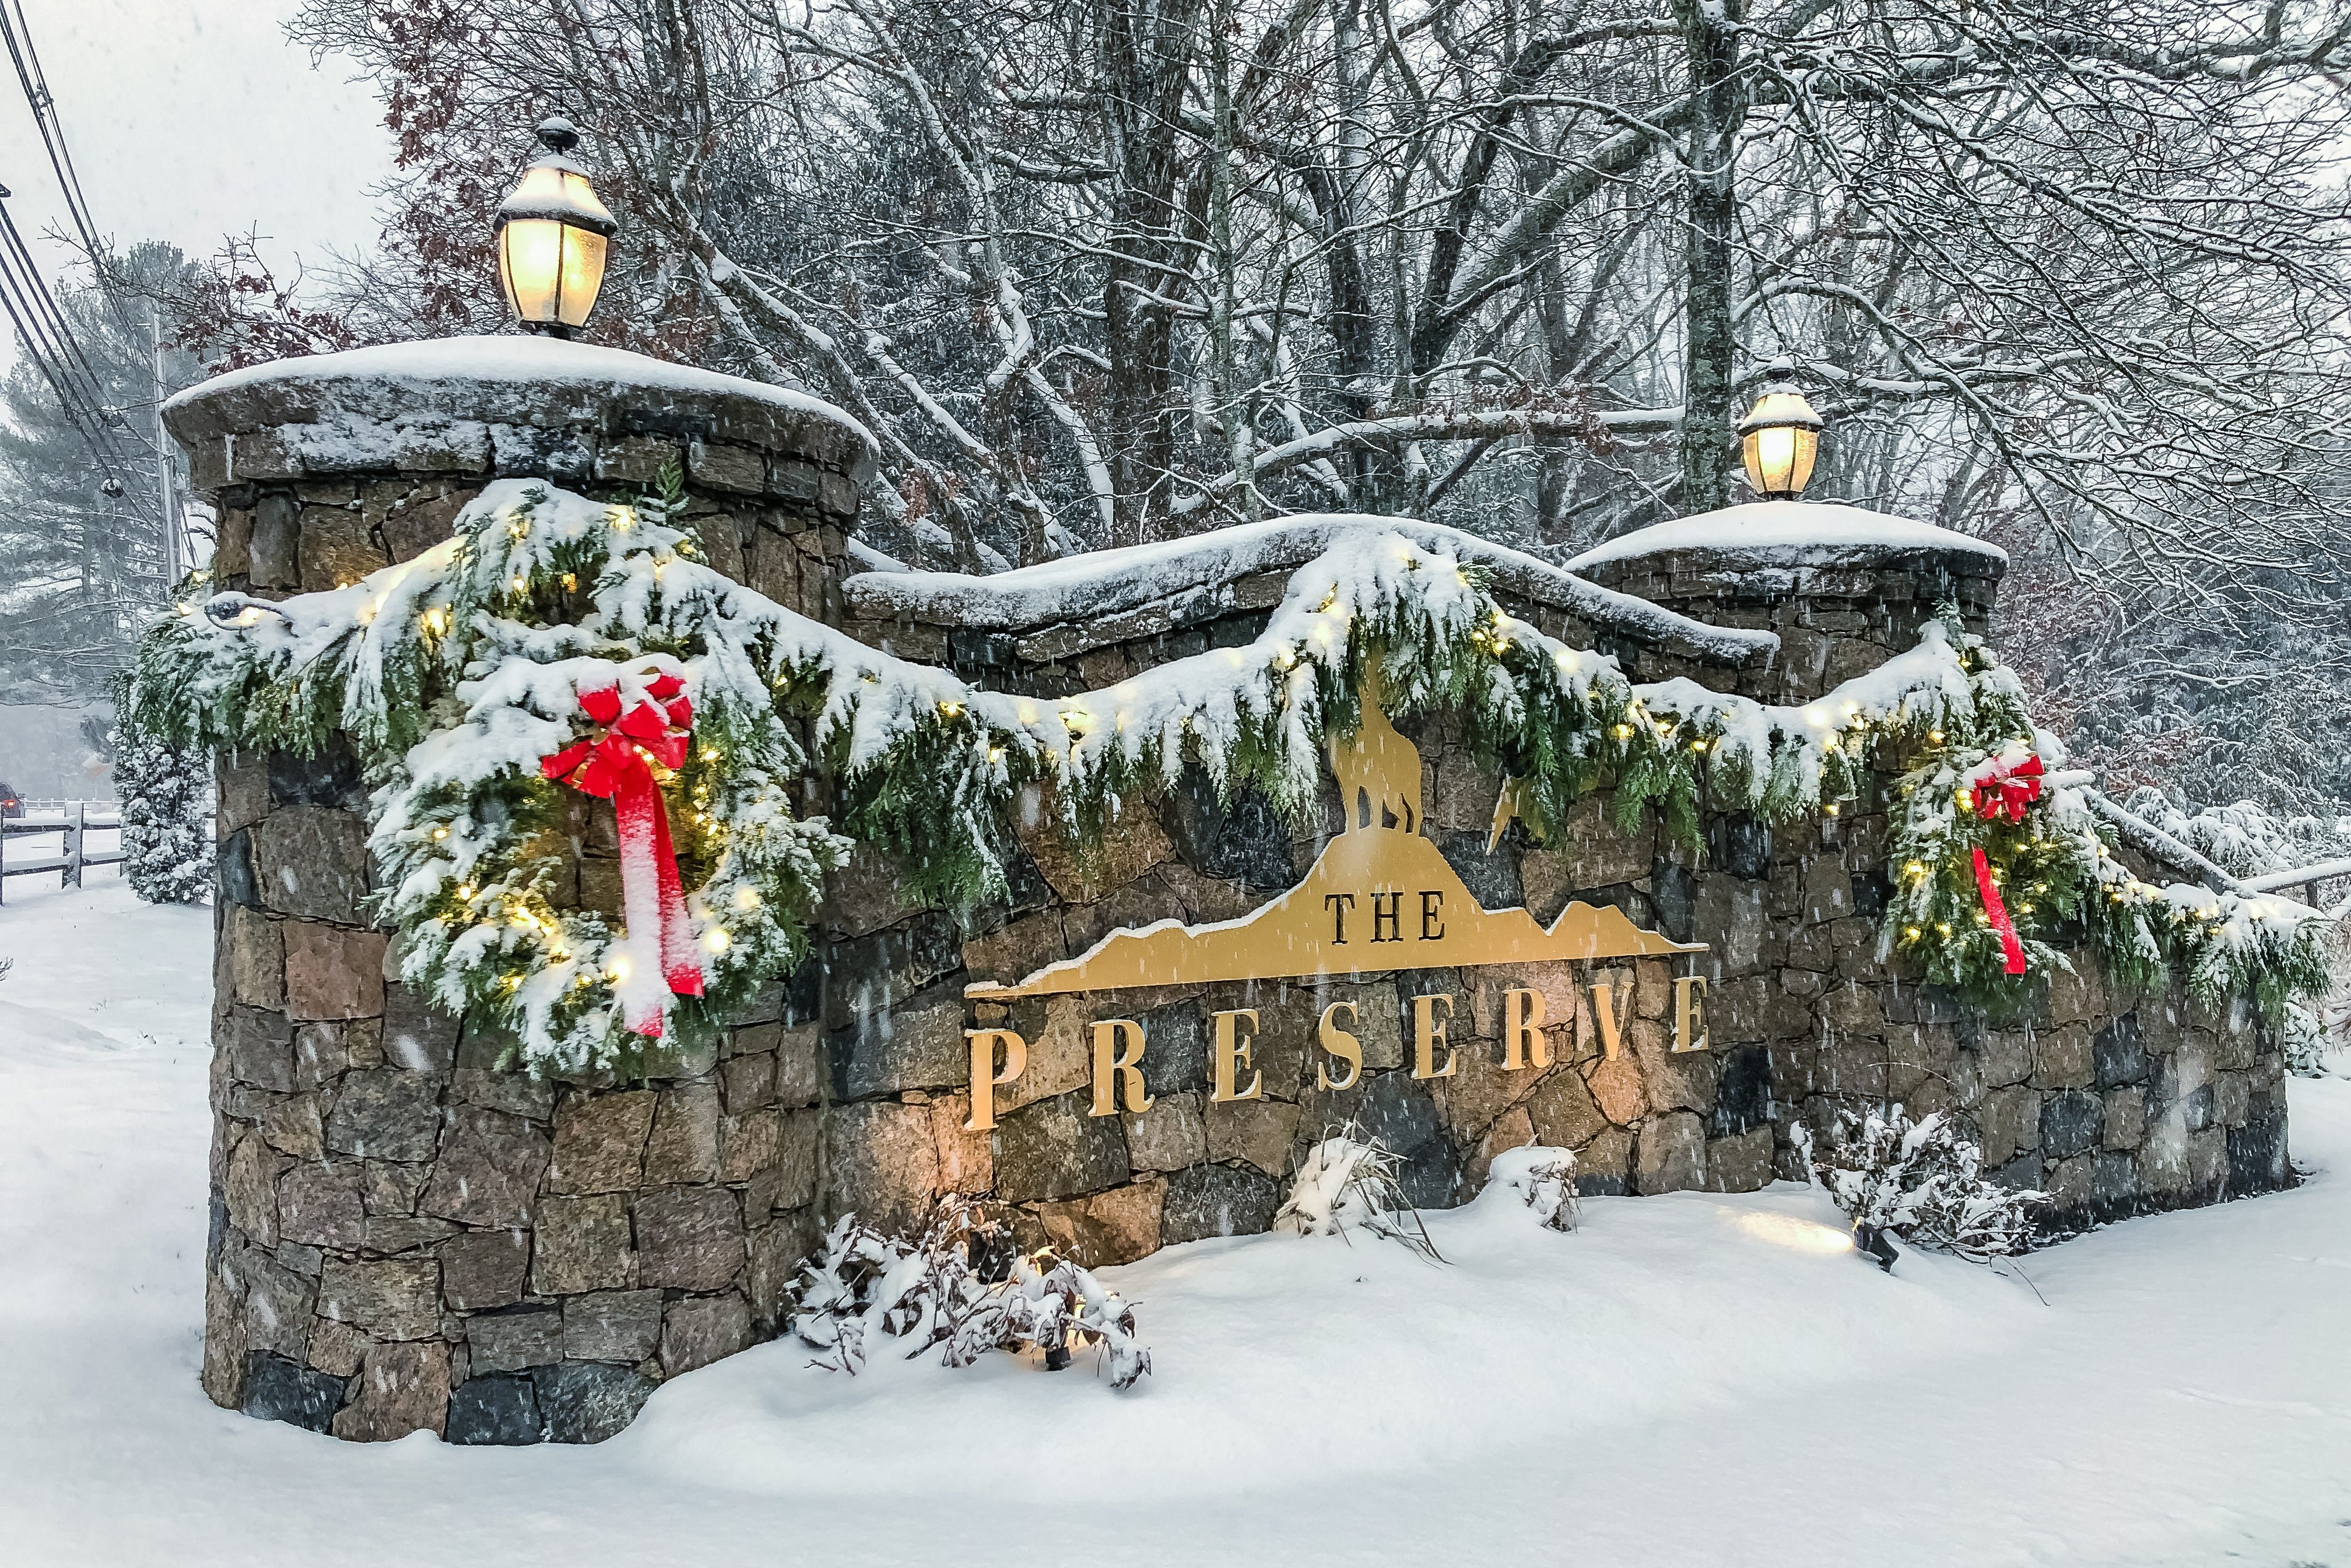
<point x="49" y="343"/>
<point x="44" y="105"/>
<point x="48" y="335"/>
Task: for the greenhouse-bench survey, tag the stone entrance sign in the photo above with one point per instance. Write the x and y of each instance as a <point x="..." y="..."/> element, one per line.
<point x="406" y="1235"/>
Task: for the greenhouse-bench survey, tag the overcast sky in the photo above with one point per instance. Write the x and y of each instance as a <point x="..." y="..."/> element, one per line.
<point x="188" y="120"/>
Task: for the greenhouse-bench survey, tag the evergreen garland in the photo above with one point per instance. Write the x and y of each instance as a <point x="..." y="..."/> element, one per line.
<point x="456" y="673"/>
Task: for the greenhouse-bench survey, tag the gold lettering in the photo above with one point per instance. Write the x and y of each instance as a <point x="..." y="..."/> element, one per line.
<point x="1338" y="904"/>
<point x="985" y="1079"/>
<point x="1232" y="1055"/>
<point x="1428" y="903"/>
<point x="1428" y="1035"/>
<point x="1524" y="1044"/>
<point x="1339" y="1043"/>
<point x="1118" y="1057"/>
<point x="1611" y="1016"/>
<point x="1387" y="914"/>
<point x="1689" y="1013"/>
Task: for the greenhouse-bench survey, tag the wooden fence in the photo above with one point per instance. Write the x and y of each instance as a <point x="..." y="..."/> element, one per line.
<point x="77" y="823"/>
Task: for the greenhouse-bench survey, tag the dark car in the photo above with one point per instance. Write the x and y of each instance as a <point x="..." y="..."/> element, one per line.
<point x="11" y="803"/>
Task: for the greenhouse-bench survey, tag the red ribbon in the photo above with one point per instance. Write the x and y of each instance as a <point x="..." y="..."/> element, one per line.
<point x="642" y="717"/>
<point x="1996" y="913"/>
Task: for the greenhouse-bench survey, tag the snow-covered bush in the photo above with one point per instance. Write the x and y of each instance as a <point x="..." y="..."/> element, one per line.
<point x="865" y="1293"/>
<point x="1348" y="1182"/>
<point x="166" y="795"/>
<point x="2314" y="1033"/>
<point x="1924" y="1182"/>
<point x="1540" y="1176"/>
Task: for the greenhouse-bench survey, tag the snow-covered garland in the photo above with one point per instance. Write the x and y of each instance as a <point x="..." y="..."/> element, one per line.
<point x="459" y="672"/>
<point x="2050" y="859"/>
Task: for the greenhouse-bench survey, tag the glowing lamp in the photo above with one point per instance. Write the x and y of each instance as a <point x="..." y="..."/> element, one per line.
<point x="552" y="232"/>
<point x="1778" y="441"/>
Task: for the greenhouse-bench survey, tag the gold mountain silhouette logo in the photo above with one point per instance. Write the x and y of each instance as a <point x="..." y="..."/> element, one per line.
<point x="1380" y="897"/>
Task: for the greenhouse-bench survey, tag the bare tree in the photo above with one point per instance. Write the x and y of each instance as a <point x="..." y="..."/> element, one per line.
<point x="1097" y="271"/>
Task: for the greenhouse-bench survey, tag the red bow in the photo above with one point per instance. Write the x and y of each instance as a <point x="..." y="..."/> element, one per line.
<point x="2004" y="789"/>
<point x="642" y="717"/>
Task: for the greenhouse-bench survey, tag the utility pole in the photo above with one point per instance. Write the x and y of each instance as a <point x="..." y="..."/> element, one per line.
<point x="172" y="569"/>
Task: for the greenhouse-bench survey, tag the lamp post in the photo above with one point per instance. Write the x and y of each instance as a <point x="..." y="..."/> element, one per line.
<point x="1778" y="442"/>
<point x="552" y="232"/>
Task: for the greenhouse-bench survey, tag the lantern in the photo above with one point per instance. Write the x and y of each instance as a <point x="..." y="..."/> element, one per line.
<point x="551" y="236"/>
<point x="1778" y="442"/>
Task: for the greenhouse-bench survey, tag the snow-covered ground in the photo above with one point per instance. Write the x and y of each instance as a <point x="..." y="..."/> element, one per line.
<point x="1692" y="1379"/>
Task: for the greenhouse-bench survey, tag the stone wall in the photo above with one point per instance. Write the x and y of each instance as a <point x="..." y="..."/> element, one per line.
<point x="2114" y="1103"/>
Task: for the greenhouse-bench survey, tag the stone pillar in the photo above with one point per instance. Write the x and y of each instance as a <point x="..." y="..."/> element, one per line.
<point x="2114" y="1102"/>
<point x="405" y="1233"/>
<point x="1843" y="589"/>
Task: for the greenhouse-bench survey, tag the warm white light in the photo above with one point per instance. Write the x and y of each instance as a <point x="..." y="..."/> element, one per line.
<point x="1787" y="1230"/>
<point x="1779" y="440"/>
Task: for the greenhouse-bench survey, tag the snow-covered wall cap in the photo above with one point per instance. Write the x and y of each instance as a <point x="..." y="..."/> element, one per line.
<point x="1066" y="606"/>
<point x="517" y="382"/>
<point x="1792" y="534"/>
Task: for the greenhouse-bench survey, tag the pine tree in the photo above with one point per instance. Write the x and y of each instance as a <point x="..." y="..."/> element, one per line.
<point x="82" y="564"/>
<point x="166" y="795"/>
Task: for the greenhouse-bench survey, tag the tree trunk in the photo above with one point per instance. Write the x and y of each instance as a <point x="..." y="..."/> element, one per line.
<point x="1234" y="401"/>
<point x="1146" y="54"/>
<point x="1719" y="103"/>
